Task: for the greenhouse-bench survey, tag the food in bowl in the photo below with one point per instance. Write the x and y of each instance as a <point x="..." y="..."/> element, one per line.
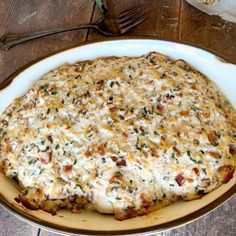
<point x="122" y="136"/>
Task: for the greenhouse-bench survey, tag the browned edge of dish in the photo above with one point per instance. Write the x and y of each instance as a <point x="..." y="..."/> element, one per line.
<point x="153" y="229"/>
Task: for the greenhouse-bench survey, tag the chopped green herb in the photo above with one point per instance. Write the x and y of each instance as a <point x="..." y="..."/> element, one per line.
<point x="202" y="152"/>
<point x="32" y="161"/>
<point x="136" y="130"/>
<point x="204" y="170"/>
<point x="54" y="92"/>
<point x="195" y="142"/>
<point x="111" y="84"/>
<point x="78" y="77"/>
<point x="215" y="144"/>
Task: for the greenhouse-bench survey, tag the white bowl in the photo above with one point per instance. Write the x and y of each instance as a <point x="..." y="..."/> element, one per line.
<point x="224" y="75"/>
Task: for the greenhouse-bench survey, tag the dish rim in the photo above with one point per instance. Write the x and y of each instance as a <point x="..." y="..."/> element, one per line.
<point x="151" y="229"/>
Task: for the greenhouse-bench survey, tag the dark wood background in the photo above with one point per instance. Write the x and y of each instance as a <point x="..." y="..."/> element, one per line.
<point x="169" y="19"/>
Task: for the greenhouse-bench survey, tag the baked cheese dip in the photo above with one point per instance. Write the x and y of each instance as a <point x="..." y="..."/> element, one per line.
<point x="123" y="136"/>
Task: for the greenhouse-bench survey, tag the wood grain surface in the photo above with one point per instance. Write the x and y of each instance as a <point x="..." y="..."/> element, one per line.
<point x="169" y="19"/>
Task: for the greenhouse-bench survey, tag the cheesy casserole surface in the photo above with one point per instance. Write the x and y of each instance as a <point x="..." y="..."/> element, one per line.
<point x="118" y="135"/>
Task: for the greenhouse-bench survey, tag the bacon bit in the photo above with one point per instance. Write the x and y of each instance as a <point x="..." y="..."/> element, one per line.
<point x="118" y="161"/>
<point x="154" y="152"/>
<point x="114" y="158"/>
<point x="212" y="137"/>
<point x="159" y="107"/>
<point x="113" y="109"/>
<point x="142" y="129"/>
<point x="68" y="168"/>
<point x="117" y="178"/>
<point x="185" y="113"/>
<point x="177" y="151"/>
<point x="196" y="171"/>
<point x="27" y="204"/>
<point x="44" y="161"/>
<point x="4" y="122"/>
<point x="50" y="138"/>
<point x="216" y="155"/>
<point x="122" y="162"/>
<point x="95" y="130"/>
<point x="39" y="192"/>
<point x="30" y="106"/>
<point x="207" y="114"/>
<point x="100" y="84"/>
<point x="181" y="94"/>
<point x="8" y="149"/>
<point x="87" y="154"/>
<point x="145" y="202"/>
<point x="145" y="154"/>
<point x="50" y="156"/>
<point x="193" y="87"/>
<point x="179" y="179"/>
<point x="101" y="150"/>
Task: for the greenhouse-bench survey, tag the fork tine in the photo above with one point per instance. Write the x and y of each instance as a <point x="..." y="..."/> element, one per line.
<point x="129" y="11"/>
<point x="134" y="24"/>
<point x="133" y="20"/>
<point x="130" y="15"/>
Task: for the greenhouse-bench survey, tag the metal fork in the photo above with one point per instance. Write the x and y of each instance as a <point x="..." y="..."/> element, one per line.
<point x="108" y="25"/>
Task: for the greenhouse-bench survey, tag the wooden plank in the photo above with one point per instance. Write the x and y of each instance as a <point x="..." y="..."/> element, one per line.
<point x="10" y="225"/>
<point x="23" y="16"/>
<point x="210" y="32"/>
<point x="163" y="19"/>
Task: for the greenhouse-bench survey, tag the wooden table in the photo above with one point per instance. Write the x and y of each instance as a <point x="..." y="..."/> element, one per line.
<point x="169" y="19"/>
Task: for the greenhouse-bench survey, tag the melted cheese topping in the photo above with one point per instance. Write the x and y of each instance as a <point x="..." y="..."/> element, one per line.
<point x="121" y="135"/>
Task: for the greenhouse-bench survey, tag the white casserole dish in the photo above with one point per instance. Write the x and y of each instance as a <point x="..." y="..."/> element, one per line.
<point x="221" y="72"/>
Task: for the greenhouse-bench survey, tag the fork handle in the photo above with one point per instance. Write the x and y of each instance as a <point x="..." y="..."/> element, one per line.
<point x="9" y="40"/>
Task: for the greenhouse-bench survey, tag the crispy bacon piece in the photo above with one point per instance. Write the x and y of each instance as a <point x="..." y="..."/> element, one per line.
<point x="179" y="179"/>
<point x="185" y="113"/>
<point x="154" y="152"/>
<point x="68" y="168"/>
<point x="196" y="171"/>
<point x="119" y="161"/>
<point x="176" y="150"/>
<point x="145" y="202"/>
<point x="4" y="122"/>
<point x="212" y="137"/>
<point x="101" y="150"/>
<point x="100" y="84"/>
<point x="207" y="114"/>
<point x="159" y="107"/>
<point x="87" y="154"/>
<point x="113" y="109"/>
<point x="49" y="137"/>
